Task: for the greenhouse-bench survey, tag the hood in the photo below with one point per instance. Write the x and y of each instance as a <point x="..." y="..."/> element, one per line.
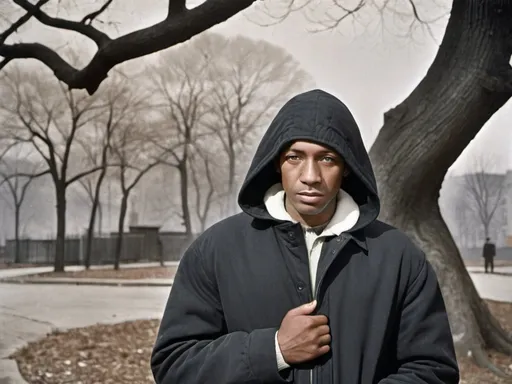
<point x="320" y="117"/>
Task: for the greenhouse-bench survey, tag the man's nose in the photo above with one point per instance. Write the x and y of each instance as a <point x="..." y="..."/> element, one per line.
<point x="310" y="173"/>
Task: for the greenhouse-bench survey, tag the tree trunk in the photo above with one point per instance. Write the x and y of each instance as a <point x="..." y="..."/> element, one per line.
<point x="232" y="201"/>
<point x="60" y="244"/>
<point x="469" y="80"/>
<point x="17" y="250"/>
<point x="120" y="230"/>
<point x="100" y="218"/>
<point x="92" y="219"/>
<point x="182" y="168"/>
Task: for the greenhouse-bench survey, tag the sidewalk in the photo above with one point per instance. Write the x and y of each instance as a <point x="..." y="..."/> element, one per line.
<point x="25" y="275"/>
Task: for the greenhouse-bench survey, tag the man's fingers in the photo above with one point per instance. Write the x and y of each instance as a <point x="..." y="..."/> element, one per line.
<point x="323" y="330"/>
<point x="324" y="340"/>
<point x="319" y="320"/>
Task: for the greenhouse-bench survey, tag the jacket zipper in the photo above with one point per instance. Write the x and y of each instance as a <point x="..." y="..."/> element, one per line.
<point x="318" y="285"/>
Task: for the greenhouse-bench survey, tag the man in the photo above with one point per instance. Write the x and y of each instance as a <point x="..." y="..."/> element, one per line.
<point x="488" y="253"/>
<point x="306" y="285"/>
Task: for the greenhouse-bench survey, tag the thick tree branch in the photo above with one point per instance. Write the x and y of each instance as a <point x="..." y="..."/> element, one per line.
<point x="176" y="7"/>
<point x="171" y="31"/>
<point x="98" y="37"/>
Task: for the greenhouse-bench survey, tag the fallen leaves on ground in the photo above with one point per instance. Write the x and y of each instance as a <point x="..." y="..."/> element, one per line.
<point x="123" y="273"/>
<point x="120" y="353"/>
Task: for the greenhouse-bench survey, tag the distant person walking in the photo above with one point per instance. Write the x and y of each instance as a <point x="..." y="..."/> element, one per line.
<point x="488" y="253"/>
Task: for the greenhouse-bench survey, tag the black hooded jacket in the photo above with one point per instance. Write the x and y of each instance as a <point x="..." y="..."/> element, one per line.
<point x="238" y="280"/>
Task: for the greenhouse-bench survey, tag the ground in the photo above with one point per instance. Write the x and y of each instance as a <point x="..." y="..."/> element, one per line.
<point x="120" y="353"/>
<point x="480" y="263"/>
<point x="124" y="273"/>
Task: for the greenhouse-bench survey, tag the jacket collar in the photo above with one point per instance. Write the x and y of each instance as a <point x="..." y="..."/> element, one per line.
<point x="344" y="218"/>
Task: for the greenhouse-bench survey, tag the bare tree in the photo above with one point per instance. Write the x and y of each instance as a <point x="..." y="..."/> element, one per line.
<point x="180" y="92"/>
<point x="484" y="190"/>
<point x="180" y="24"/>
<point x="134" y="155"/>
<point x="47" y="118"/>
<point x="121" y="106"/>
<point x="203" y="180"/>
<point x="18" y="176"/>
<point x="250" y="81"/>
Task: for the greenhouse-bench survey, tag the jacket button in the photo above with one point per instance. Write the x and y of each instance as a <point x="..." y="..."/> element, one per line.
<point x="338" y="239"/>
<point x="291" y="235"/>
<point x="300" y="287"/>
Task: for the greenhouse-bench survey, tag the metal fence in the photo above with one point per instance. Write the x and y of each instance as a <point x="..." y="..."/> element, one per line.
<point x="135" y="248"/>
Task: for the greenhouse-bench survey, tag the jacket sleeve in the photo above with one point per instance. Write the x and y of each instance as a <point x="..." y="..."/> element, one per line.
<point x="425" y="349"/>
<point x="192" y="345"/>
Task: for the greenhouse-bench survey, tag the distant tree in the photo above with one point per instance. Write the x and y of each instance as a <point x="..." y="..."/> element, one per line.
<point x="133" y="154"/>
<point x="180" y="89"/>
<point x="484" y="190"/>
<point x="250" y="80"/>
<point x="121" y="105"/>
<point x="18" y="175"/>
<point x="42" y="115"/>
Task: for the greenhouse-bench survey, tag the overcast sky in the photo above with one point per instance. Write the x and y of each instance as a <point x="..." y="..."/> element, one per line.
<point x="371" y="72"/>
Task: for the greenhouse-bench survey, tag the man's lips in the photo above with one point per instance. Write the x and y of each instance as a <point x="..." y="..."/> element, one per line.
<point x="310" y="194"/>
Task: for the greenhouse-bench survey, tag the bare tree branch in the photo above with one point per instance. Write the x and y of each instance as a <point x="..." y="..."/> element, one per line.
<point x="180" y="27"/>
<point x="98" y="37"/>
<point x="22" y="20"/>
<point x="88" y="19"/>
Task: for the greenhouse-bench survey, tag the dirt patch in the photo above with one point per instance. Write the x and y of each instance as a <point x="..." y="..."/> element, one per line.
<point x="123" y="273"/>
<point x="120" y="354"/>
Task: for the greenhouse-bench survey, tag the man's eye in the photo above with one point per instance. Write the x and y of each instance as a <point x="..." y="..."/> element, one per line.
<point x="329" y="159"/>
<point x="292" y="157"/>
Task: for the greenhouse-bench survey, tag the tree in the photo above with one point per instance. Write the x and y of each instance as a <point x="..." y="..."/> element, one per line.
<point x="44" y="116"/>
<point x="180" y="90"/>
<point x="134" y="155"/>
<point x="250" y="81"/>
<point x="121" y="104"/>
<point x="201" y="165"/>
<point x="180" y="24"/>
<point x="484" y="191"/>
<point x="18" y="176"/>
<point x="468" y="81"/>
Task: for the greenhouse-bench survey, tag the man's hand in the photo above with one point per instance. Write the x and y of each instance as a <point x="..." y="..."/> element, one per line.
<point x="303" y="337"/>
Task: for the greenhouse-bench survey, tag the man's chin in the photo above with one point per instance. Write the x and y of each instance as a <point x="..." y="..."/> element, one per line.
<point x="309" y="209"/>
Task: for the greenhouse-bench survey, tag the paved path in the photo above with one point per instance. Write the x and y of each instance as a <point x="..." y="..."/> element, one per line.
<point x="16" y="272"/>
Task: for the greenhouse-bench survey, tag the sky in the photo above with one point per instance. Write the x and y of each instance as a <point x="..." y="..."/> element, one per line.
<point x="369" y="70"/>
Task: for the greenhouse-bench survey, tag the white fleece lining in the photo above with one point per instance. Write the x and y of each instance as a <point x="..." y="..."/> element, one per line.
<point x="344" y="218"/>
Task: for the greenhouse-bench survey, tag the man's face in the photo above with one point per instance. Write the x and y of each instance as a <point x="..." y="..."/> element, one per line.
<point x="311" y="175"/>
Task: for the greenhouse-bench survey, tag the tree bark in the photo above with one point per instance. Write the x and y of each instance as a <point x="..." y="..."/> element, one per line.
<point x="469" y="80"/>
<point x="120" y="230"/>
<point x="92" y="219"/>
<point x="60" y="244"/>
<point x="183" y="171"/>
<point x="17" y="250"/>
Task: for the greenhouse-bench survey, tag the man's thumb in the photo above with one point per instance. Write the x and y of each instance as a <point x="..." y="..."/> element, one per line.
<point x="308" y="307"/>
